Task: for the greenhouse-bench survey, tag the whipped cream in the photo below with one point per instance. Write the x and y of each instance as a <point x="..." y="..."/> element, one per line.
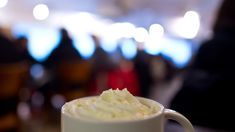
<point x="110" y="105"/>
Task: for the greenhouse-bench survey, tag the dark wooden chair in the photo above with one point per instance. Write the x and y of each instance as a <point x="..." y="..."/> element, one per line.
<point x="12" y="77"/>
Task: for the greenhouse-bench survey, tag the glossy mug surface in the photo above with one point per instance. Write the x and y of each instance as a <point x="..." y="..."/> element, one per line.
<point x="153" y="123"/>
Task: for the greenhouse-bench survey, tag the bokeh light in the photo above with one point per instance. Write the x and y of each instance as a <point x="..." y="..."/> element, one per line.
<point x="85" y="45"/>
<point x="141" y="34"/>
<point x="187" y="26"/>
<point x="40" y="12"/>
<point x="156" y="31"/>
<point x="128" y="48"/>
<point x="3" y="3"/>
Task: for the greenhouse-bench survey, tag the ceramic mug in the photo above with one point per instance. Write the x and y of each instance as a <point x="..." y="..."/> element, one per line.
<point x="153" y="123"/>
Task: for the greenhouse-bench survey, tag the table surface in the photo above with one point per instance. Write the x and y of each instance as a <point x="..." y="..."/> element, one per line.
<point x="173" y="127"/>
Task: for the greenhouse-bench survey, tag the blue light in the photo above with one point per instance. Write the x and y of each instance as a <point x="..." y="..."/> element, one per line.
<point x="152" y="48"/>
<point x="42" y="40"/>
<point x="128" y="48"/>
<point x="85" y="45"/>
<point x="37" y="71"/>
<point x="178" y="50"/>
<point x="108" y="45"/>
<point x="20" y="30"/>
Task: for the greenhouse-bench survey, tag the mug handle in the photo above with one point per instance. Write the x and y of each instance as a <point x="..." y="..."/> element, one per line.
<point x="173" y="115"/>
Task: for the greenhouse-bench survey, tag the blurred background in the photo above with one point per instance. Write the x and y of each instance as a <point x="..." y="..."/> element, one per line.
<point x="54" y="51"/>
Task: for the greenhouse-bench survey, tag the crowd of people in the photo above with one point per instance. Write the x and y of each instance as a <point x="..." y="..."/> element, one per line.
<point x="101" y="71"/>
<point x="70" y="76"/>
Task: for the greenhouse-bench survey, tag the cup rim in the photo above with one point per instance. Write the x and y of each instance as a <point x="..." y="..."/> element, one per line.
<point x="98" y="121"/>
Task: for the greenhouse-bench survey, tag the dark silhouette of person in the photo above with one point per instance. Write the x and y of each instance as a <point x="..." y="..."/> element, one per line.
<point x="64" y="52"/>
<point x="101" y="65"/>
<point x="142" y="66"/>
<point x="100" y="58"/>
<point x="21" y="44"/>
<point x="207" y="96"/>
<point x="8" y="51"/>
<point x="63" y="56"/>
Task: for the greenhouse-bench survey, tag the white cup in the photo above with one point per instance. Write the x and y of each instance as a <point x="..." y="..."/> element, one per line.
<point x="153" y="123"/>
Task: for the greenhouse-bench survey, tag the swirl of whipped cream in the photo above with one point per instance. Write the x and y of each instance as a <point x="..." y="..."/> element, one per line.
<point x="110" y="105"/>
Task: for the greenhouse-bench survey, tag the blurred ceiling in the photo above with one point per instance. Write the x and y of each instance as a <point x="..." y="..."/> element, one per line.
<point x="139" y="12"/>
